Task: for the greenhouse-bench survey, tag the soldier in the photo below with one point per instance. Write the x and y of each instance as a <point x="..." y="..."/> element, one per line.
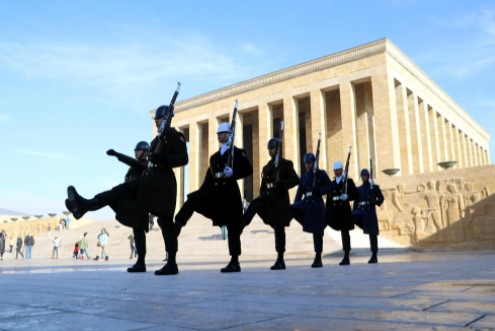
<point x="338" y="210"/>
<point x="153" y="193"/>
<point x="273" y="204"/>
<point x="137" y="167"/>
<point x="219" y="197"/>
<point x="364" y="213"/>
<point x="310" y="210"/>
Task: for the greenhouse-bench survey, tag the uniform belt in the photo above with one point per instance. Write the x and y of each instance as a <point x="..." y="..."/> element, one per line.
<point x="363" y="203"/>
<point x="335" y="198"/>
<point x="219" y="174"/>
<point x="161" y="166"/>
<point x="270" y="185"/>
<point x="308" y="194"/>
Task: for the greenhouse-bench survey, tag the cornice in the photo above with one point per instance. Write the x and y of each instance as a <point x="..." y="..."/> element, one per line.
<point x="329" y="61"/>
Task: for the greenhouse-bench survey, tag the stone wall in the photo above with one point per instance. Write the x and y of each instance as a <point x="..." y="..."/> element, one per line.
<point x="447" y="210"/>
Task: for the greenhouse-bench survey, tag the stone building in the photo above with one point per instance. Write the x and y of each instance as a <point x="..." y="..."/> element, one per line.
<point x="371" y="97"/>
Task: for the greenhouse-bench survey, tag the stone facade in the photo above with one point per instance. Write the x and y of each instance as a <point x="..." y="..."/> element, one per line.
<point x="372" y="98"/>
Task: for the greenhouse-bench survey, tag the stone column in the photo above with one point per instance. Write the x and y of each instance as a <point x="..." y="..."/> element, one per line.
<point x="464" y="150"/>
<point x="404" y="130"/>
<point x="349" y="136"/>
<point x="194" y="148"/>
<point x="318" y="120"/>
<point x="444" y="156"/>
<point x="457" y="133"/>
<point x="436" y="153"/>
<point x="291" y="131"/>
<point x="416" y="135"/>
<point x="384" y="107"/>
<point x="472" y="162"/>
<point x="428" y="141"/>
<point x="265" y="131"/>
<point x="239" y="142"/>
<point x="213" y="144"/>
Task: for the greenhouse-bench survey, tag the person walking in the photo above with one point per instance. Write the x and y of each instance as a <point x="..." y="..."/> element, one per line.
<point x="18" y="247"/>
<point x="83" y="246"/>
<point x="338" y="209"/>
<point x="308" y="208"/>
<point x="155" y="192"/>
<point x="29" y="243"/>
<point x="3" y="240"/>
<point x="56" y="245"/>
<point x="219" y="197"/>
<point x="273" y="203"/>
<point x="364" y="212"/>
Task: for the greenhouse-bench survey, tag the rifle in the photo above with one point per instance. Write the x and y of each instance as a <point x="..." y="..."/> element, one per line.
<point x="167" y="121"/>
<point x="279" y="151"/>
<point x="315" y="164"/>
<point x="231" y="137"/>
<point x="346" y="170"/>
<point x="372" y="199"/>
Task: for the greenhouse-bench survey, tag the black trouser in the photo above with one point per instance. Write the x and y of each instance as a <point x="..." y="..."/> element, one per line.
<point x="234" y="238"/>
<point x="279" y="238"/>
<point x="140" y="242"/>
<point x="346" y="240"/>
<point x="318" y="243"/>
<point x="185" y="212"/>
<point x="166" y="224"/>
<point x="254" y="207"/>
<point x="374" y="243"/>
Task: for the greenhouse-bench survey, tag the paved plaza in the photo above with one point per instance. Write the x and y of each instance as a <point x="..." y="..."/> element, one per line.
<point x="405" y="291"/>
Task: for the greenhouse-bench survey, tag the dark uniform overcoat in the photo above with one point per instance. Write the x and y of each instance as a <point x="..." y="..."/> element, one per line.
<point x="274" y="200"/>
<point x="155" y="191"/>
<point x="364" y="211"/>
<point x="309" y="208"/>
<point x="219" y="197"/>
<point x="338" y="212"/>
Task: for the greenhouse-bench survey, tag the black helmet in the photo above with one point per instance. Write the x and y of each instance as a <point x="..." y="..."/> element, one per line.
<point x="272" y="143"/>
<point x="142" y="145"/>
<point x="309" y="157"/>
<point x="160" y="112"/>
<point x="365" y="172"/>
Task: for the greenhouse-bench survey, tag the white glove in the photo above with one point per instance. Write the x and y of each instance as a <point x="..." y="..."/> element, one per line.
<point x="344" y="197"/>
<point x="228" y="172"/>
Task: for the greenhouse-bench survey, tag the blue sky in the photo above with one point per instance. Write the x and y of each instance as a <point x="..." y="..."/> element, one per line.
<point x="79" y="77"/>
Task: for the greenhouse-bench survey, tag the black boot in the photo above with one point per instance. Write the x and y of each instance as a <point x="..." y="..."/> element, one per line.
<point x="137" y="267"/>
<point x="279" y="265"/>
<point x="76" y="204"/>
<point x="317" y="263"/>
<point x="96" y="258"/>
<point x="345" y="260"/>
<point x="373" y="258"/>
<point x="170" y="268"/>
<point x="233" y="265"/>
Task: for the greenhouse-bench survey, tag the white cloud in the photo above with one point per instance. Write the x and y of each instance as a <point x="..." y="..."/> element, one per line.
<point x="41" y="154"/>
<point x="122" y="66"/>
<point x="251" y="49"/>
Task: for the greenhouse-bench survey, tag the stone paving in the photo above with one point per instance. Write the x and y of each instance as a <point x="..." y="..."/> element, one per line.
<point x="404" y="291"/>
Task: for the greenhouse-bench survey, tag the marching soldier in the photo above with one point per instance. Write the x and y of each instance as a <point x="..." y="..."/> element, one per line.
<point x="338" y="210"/>
<point x="153" y="193"/>
<point x="310" y="209"/>
<point x="273" y="204"/>
<point x="364" y="212"/>
<point x="219" y="197"/>
<point x="137" y="167"/>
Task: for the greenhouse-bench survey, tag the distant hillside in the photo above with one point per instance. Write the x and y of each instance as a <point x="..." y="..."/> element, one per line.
<point x="10" y="212"/>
